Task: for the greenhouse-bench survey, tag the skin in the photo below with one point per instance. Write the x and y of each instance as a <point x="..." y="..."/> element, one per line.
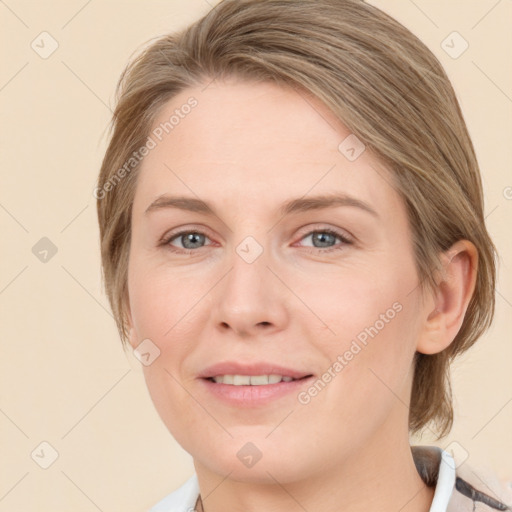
<point x="246" y="149"/>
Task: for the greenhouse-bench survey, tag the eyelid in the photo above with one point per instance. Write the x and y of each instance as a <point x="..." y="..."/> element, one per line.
<point x="307" y="230"/>
<point x="345" y="237"/>
<point x="168" y="235"/>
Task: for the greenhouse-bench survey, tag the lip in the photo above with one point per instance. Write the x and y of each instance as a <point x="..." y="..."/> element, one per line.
<point x="252" y="396"/>
<point x="262" y="368"/>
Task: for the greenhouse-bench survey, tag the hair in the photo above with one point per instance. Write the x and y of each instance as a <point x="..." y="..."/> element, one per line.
<point x="381" y="81"/>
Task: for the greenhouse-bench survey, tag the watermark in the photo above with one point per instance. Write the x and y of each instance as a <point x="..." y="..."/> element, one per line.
<point x="454" y="45"/>
<point x="44" y="45"/>
<point x="249" y="455"/>
<point x="507" y="192"/>
<point x="458" y="455"/>
<point x="351" y="147"/>
<point x="249" y="249"/>
<point x="146" y="352"/>
<point x="152" y="141"/>
<point x="44" y="454"/>
<point x="44" y="250"/>
<point x="304" y="397"/>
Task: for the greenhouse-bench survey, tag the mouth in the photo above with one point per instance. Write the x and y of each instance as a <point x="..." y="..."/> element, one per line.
<point x="252" y="385"/>
<point x="254" y="380"/>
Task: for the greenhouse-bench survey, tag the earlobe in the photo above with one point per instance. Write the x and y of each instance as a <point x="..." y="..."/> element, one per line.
<point x="445" y="313"/>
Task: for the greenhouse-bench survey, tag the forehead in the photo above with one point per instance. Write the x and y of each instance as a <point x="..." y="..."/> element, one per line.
<point x="263" y="116"/>
<point x="258" y="142"/>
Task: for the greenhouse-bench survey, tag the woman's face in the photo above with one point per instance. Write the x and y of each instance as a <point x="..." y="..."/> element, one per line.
<point x="266" y="282"/>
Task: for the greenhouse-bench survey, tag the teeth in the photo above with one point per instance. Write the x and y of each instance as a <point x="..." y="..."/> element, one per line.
<point x="241" y="380"/>
<point x="258" y="380"/>
<point x="250" y="380"/>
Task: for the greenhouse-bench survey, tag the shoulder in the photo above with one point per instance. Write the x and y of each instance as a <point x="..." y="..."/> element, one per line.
<point x="460" y="486"/>
<point x="182" y="499"/>
<point x="479" y="488"/>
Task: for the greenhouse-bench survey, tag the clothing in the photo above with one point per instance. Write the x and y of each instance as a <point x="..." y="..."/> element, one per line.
<point x="457" y="487"/>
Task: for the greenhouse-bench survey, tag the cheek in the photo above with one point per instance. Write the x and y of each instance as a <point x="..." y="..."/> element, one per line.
<point x="367" y="375"/>
<point x="163" y="304"/>
<point x="184" y="417"/>
<point x="371" y="328"/>
<point x="166" y="308"/>
<point x="359" y="305"/>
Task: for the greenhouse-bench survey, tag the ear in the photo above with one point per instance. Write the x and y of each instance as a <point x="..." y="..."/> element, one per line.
<point x="444" y="311"/>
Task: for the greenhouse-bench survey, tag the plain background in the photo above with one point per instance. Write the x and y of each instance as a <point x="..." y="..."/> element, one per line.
<point x="64" y="378"/>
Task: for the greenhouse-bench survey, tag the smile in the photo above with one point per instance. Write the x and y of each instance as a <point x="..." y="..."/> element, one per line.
<point x="251" y="380"/>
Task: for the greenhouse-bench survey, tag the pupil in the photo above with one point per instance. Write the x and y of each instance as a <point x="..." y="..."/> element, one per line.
<point x="190" y="238"/>
<point x="322" y="236"/>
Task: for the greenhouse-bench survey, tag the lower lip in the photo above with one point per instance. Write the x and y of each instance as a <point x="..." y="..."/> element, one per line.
<point x="252" y="396"/>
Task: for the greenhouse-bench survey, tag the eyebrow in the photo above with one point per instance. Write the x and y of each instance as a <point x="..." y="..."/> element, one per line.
<point x="294" y="206"/>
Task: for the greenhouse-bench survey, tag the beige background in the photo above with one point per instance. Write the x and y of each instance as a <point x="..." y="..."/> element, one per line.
<point x="64" y="377"/>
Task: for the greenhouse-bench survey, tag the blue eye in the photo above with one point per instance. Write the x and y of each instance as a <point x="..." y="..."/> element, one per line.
<point x="332" y="235"/>
<point x="191" y="240"/>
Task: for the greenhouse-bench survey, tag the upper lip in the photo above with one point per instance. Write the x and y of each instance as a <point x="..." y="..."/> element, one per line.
<point x="261" y="368"/>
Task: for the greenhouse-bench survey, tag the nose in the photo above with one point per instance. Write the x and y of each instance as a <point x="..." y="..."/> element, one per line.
<point x="250" y="299"/>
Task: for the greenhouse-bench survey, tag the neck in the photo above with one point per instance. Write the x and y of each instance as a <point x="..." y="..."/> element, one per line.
<point x="380" y="477"/>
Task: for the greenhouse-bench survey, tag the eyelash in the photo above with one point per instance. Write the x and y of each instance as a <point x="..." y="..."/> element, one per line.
<point x="346" y="241"/>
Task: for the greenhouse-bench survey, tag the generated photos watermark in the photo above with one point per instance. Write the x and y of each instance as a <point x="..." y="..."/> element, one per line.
<point x="151" y="143"/>
<point x="357" y="344"/>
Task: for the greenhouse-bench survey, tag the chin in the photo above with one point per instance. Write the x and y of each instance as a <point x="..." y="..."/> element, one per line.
<point x="259" y="460"/>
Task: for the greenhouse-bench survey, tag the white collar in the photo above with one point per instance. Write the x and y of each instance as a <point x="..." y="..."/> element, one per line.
<point x="445" y="484"/>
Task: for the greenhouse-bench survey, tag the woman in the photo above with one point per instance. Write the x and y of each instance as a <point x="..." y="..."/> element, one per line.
<point x="316" y="154"/>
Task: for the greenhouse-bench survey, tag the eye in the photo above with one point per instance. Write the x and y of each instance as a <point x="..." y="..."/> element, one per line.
<point x="192" y="240"/>
<point x="189" y="240"/>
<point x="323" y="236"/>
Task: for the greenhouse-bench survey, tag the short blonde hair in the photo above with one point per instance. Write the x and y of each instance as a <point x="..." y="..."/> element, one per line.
<point x="380" y="80"/>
